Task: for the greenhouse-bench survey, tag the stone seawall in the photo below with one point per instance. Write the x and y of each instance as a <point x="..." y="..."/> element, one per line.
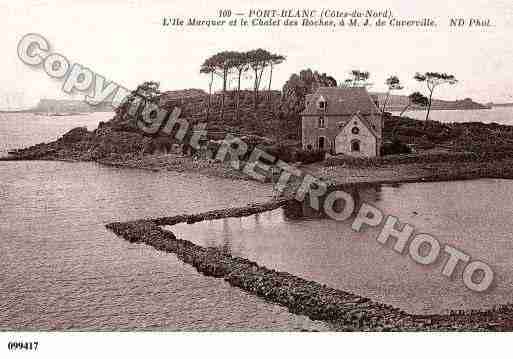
<point x="318" y="302"/>
<point x="345" y="311"/>
<point x="245" y="211"/>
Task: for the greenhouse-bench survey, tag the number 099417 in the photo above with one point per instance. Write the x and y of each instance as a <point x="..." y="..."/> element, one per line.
<point x="22" y="345"/>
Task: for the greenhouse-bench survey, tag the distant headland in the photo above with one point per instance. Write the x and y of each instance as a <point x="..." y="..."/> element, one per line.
<point x="500" y="104"/>
<point x="398" y="102"/>
<point x="52" y="107"/>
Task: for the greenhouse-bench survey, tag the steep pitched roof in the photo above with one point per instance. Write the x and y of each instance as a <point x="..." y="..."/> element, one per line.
<point x="364" y="122"/>
<point x="341" y="101"/>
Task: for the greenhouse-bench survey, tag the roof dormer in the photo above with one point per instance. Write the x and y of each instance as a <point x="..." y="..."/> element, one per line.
<point x="322" y="104"/>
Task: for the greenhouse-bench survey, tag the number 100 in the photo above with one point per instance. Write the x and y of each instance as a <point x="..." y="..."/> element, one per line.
<point x="225" y="13"/>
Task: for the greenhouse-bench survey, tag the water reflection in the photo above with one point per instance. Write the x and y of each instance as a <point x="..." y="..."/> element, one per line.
<point x="473" y="216"/>
<point x="61" y="269"/>
<point x="294" y="210"/>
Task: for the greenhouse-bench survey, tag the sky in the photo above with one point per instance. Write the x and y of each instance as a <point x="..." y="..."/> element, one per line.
<point x="126" y="42"/>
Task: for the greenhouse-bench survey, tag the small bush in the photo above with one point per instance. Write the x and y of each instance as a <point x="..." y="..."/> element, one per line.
<point x="394" y="148"/>
<point x="307" y="157"/>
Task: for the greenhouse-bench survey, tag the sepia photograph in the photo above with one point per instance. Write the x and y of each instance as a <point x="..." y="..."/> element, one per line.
<point x="243" y="178"/>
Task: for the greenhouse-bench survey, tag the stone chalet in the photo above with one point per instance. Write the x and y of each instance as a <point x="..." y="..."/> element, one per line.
<point x="342" y="120"/>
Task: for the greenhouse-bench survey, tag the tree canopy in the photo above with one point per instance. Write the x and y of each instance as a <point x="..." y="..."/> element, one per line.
<point x="432" y="81"/>
<point x="357" y="78"/>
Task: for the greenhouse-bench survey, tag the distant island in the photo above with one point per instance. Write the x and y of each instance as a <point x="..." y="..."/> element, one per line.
<point x="500" y="104"/>
<point x="51" y="107"/>
<point x="56" y="107"/>
<point x="399" y="102"/>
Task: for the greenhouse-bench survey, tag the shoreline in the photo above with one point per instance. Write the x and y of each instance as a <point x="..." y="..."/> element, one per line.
<point x="215" y="171"/>
<point x="337" y="175"/>
<point x="344" y="310"/>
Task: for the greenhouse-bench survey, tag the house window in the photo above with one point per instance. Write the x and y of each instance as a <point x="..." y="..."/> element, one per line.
<point x="322" y="105"/>
<point x="321" y="122"/>
<point x="321" y="143"/>
<point x="355" y="130"/>
<point x="355" y="146"/>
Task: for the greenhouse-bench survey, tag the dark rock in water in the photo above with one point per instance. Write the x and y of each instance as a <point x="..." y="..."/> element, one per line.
<point x="11" y="156"/>
<point x="80" y="144"/>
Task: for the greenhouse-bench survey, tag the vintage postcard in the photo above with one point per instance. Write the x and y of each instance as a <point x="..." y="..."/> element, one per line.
<point x="240" y="166"/>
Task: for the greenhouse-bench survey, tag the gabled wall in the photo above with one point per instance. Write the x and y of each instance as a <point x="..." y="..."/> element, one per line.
<point x="368" y="144"/>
